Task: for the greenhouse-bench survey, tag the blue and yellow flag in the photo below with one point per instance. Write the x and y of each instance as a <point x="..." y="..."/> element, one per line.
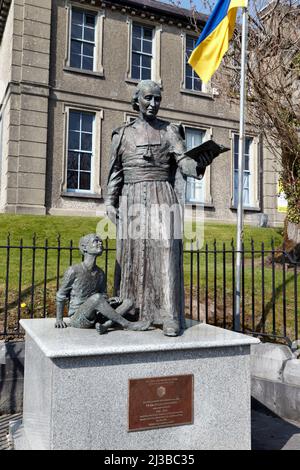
<point x="214" y="40"/>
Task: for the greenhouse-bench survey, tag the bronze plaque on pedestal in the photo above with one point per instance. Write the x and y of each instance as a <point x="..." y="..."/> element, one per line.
<point x="159" y="402"/>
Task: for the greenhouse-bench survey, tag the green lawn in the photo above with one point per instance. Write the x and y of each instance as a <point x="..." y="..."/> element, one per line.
<point x="23" y="301"/>
<point x="69" y="228"/>
<point x="72" y="228"/>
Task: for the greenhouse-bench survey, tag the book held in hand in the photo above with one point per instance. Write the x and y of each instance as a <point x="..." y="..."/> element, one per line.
<point x="208" y="146"/>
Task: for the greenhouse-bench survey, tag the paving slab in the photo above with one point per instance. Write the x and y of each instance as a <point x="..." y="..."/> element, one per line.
<point x="270" y="432"/>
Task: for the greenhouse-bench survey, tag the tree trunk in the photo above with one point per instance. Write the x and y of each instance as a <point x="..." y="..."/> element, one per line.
<point x="291" y="245"/>
<point x="292" y="239"/>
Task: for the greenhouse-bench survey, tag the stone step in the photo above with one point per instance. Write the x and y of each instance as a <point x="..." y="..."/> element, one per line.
<point x="4" y="425"/>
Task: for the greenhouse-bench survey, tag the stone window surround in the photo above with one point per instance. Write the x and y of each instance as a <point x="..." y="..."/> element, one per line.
<point x="208" y="200"/>
<point x="206" y="87"/>
<point x="128" y="117"/>
<point x="142" y="55"/>
<point x="99" y="35"/>
<point x="96" y="190"/>
<point x="157" y="31"/>
<point x="254" y="170"/>
<point x="194" y="76"/>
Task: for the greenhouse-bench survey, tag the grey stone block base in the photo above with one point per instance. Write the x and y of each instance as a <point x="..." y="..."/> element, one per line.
<point x="276" y="379"/>
<point x="76" y="388"/>
<point x="17" y="436"/>
<point x="281" y="398"/>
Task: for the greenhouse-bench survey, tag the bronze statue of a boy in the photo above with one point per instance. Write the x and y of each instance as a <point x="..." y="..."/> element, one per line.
<point x="84" y="286"/>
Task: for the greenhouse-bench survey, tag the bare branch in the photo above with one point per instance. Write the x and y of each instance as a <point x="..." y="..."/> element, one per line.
<point x="273" y="74"/>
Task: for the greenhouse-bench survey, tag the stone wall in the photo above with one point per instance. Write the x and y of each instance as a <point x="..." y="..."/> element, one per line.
<point x="275" y="371"/>
<point x="6" y="55"/>
<point x="28" y="122"/>
<point x="109" y="93"/>
<point x="43" y="86"/>
<point x="5" y="78"/>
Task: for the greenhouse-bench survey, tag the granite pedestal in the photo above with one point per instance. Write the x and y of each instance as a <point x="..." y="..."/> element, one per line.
<point x="76" y="388"/>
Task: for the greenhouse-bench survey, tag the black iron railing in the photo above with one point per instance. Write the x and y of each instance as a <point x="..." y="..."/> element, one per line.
<point x="30" y="274"/>
<point x="269" y="292"/>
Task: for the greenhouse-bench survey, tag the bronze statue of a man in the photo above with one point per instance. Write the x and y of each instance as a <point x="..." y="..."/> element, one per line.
<point x="145" y="156"/>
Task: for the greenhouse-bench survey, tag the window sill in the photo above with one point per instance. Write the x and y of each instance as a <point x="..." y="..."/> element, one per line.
<point x="247" y="209"/>
<point x="206" y="205"/>
<point x="81" y="195"/>
<point x="134" y="81"/>
<point x="203" y="94"/>
<point x="84" y="72"/>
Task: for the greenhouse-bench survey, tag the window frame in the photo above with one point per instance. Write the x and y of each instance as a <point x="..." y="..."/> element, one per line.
<point x="156" y="50"/>
<point x="98" y="69"/>
<point x="208" y="200"/>
<point x="142" y="53"/>
<point x="254" y="202"/>
<point x="206" y="90"/>
<point x="194" y="74"/>
<point x="82" y="41"/>
<point x="95" y="188"/>
<point x="193" y="181"/>
<point x="79" y="151"/>
<point x="130" y="117"/>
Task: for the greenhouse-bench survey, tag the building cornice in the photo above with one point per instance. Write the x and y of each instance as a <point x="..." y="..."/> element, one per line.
<point x="4" y="9"/>
<point x="153" y="9"/>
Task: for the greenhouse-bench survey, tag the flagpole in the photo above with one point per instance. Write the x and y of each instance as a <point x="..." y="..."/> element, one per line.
<point x="240" y="208"/>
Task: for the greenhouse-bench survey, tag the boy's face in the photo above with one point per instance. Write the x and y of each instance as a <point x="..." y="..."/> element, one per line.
<point x="95" y="246"/>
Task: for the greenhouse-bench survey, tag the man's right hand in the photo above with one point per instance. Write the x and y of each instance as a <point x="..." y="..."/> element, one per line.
<point x="60" y="324"/>
<point x="112" y="213"/>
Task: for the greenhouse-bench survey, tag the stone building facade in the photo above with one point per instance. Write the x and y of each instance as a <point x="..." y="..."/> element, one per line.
<point x="67" y="73"/>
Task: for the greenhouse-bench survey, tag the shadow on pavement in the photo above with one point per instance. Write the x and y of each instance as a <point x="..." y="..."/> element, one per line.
<point x="270" y="432"/>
